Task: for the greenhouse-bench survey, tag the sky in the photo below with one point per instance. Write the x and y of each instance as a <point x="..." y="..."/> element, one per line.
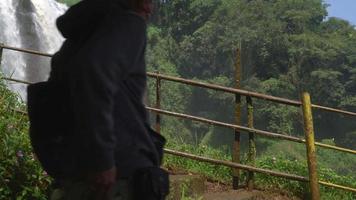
<point x="345" y="9"/>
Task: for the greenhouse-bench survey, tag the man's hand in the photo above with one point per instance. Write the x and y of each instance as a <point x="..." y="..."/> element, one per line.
<point x="102" y="183"/>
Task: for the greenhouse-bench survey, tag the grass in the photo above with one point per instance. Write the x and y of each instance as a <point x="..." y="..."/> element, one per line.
<point x="21" y="177"/>
<point x="69" y="2"/>
<point x="276" y="162"/>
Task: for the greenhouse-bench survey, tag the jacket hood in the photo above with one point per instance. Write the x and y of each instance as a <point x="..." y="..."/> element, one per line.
<point x="84" y="16"/>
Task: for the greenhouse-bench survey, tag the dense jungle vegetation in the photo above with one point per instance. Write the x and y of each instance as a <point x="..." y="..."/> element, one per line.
<point x="288" y="46"/>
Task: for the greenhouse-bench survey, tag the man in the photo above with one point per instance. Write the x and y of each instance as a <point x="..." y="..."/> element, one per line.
<point x="112" y="150"/>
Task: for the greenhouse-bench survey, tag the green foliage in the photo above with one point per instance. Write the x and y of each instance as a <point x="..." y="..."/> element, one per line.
<point x="276" y="117"/>
<point x="333" y="166"/>
<point x="288" y="46"/>
<point x="69" y="2"/>
<point x="21" y="177"/>
<point x="341" y="163"/>
<point x="214" y="172"/>
<point x="332" y="177"/>
<point x="350" y="140"/>
<point x="300" y="168"/>
<point x="173" y="96"/>
<point x="283" y="157"/>
<point x="185" y="195"/>
<point x="277" y="163"/>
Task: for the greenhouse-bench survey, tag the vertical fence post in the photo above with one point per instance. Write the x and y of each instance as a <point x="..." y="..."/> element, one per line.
<point x="310" y="145"/>
<point x="236" y="145"/>
<point x="1" y="50"/>
<point x="251" y="143"/>
<point x="158" y="103"/>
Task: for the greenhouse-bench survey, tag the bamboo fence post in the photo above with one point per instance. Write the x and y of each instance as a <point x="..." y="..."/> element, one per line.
<point x="1" y="78"/>
<point x="251" y="143"/>
<point x="236" y="144"/>
<point x="310" y="145"/>
<point x="1" y="50"/>
<point x="158" y="103"/>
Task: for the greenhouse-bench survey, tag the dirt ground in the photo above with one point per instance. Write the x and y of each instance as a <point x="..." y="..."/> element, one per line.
<point x="219" y="191"/>
<point x="246" y="195"/>
<point x="213" y="190"/>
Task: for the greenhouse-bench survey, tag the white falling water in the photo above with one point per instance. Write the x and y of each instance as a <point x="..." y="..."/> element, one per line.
<point x="47" y="11"/>
<point x="28" y="24"/>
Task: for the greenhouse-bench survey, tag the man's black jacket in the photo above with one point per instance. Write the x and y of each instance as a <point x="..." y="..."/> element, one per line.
<point x="101" y="65"/>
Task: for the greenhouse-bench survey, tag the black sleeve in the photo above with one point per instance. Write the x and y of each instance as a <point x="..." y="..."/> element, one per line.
<point x="103" y="61"/>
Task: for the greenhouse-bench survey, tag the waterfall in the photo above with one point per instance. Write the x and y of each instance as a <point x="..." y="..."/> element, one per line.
<point x="28" y="24"/>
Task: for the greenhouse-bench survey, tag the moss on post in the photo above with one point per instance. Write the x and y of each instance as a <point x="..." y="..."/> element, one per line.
<point x="310" y="145"/>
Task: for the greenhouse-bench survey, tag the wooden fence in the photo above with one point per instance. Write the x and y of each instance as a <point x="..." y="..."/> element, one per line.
<point x="305" y="105"/>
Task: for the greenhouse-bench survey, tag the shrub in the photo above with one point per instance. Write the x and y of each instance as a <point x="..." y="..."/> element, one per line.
<point x="21" y="176"/>
<point x="276" y="162"/>
<point x="69" y="2"/>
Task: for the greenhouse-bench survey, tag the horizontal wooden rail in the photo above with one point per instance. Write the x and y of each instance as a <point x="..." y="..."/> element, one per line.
<point x="16" y="80"/>
<point x="349" y="189"/>
<point x="235" y="165"/>
<point x="242" y="128"/>
<point x="246" y="93"/>
<point x="255" y="169"/>
<point x="247" y="129"/>
<point x="210" y="86"/>
<point x="227" y="125"/>
<point x="25" y="50"/>
<point x="244" y="167"/>
<point x="332" y="147"/>
<point x="225" y="89"/>
<point x="19" y="111"/>
<point x="235" y="91"/>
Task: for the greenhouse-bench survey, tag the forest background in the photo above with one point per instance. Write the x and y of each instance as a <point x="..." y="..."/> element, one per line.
<point x="288" y="46"/>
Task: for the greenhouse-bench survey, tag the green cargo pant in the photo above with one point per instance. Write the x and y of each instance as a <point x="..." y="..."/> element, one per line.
<point x="81" y="191"/>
